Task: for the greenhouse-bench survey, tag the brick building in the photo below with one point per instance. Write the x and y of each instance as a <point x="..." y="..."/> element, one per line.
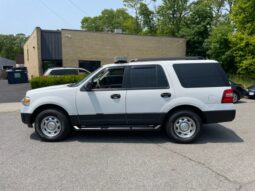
<point x="78" y="48"/>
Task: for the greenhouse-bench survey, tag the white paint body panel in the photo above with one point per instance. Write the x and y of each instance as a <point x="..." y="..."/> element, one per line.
<point x="77" y="102"/>
<point x="100" y="102"/>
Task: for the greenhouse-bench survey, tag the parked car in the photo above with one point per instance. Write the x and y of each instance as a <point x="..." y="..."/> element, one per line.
<point x="238" y="91"/>
<point x="60" y="71"/>
<point x="175" y="95"/>
<point x="251" y="92"/>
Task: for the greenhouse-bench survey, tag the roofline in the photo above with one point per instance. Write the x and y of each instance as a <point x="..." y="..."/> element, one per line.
<point x="204" y="61"/>
<point x="118" y="34"/>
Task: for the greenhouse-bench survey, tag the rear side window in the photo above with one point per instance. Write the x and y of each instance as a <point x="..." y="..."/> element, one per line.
<point x="64" y="72"/>
<point x="201" y="75"/>
<point x="148" y="77"/>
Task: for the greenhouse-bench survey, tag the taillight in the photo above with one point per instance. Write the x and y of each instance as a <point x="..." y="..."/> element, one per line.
<point x="227" y="96"/>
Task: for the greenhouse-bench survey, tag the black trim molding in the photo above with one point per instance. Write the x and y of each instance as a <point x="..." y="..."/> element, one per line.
<point x="27" y="119"/>
<point x="219" y="116"/>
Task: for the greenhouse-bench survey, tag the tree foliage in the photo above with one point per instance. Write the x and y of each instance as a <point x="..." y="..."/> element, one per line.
<point x="223" y="30"/>
<point x="11" y="45"/>
<point x="109" y="20"/>
<point x="243" y="39"/>
<point x="171" y="16"/>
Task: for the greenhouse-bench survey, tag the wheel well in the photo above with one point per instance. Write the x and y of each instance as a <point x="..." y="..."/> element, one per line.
<point x="238" y="94"/>
<point x="48" y="106"/>
<point x="185" y="107"/>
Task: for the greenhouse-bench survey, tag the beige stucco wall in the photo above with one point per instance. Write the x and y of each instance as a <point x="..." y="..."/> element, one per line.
<point x="32" y="53"/>
<point x="81" y="45"/>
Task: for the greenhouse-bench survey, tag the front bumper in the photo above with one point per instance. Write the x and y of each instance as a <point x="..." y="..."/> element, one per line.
<point x="27" y="119"/>
<point x="219" y="116"/>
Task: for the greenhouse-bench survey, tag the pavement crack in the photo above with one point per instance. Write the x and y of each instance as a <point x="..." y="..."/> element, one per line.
<point x="201" y="164"/>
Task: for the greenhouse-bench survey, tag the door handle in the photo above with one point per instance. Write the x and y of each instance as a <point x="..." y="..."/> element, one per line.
<point x="165" y="95"/>
<point x="115" y="96"/>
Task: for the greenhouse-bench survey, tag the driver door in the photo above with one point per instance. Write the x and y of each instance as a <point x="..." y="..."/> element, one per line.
<point x="104" y="104"/>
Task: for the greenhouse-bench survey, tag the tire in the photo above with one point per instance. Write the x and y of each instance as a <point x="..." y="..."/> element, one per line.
<point x="52" y="125"/>
<point x="236" y="97"/>
<point x="183" y="126"/>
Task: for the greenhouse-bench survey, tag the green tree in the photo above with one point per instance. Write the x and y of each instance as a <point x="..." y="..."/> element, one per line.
<point x="219" y="48"/>
<point x="109" y="20"/>
<point x="148" y="22"/>
<point x="134" y="5"/>
<point x="12" y="45"/>
<point x="243" y="39"/>
<point x="171" y="15"/>
<point x="197" y="27"/>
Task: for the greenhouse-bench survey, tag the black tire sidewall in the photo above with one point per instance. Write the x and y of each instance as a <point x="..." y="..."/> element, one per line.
<point x="238" y="97"/>
<point x="170" y="126"/>
<point x="65" y="124"/>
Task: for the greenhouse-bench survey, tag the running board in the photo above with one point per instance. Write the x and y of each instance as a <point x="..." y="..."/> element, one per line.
<point x="124" y="128"/>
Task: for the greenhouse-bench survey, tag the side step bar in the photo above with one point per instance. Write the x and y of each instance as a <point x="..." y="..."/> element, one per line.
<point x="124" y="128"/>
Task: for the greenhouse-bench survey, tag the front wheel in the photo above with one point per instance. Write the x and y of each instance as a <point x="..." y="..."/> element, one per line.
<point x="183" y="126"/>
<point x="52" y="125"/>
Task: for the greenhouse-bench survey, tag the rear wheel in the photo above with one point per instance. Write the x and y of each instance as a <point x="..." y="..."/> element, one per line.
<point x="52" y="125"/>
<point x="235" y="97"/>
<point x="183" y="126"/>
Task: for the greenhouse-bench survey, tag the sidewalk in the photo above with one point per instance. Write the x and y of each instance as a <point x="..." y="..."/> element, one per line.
<point x="10" y="107"/>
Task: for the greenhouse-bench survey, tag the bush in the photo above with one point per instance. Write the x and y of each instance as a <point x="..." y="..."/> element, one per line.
<point x="245" y="81"/>
<point x="44" y="81"/>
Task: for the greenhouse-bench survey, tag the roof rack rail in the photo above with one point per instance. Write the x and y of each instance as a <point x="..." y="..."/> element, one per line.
<point x="167" y="58"/>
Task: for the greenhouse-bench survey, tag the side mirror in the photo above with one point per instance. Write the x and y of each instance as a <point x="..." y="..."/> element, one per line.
<point x="88" y="86"/>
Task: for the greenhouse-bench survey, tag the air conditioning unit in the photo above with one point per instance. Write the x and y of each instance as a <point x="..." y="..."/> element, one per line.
<point x="120" y="59"/>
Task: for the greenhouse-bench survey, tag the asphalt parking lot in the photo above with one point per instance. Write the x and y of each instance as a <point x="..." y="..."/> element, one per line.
<point x="12" y="92"/>
<point x="222" y="158"/>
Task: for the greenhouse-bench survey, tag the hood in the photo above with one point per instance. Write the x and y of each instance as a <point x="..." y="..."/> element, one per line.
<point x="47" y="89"/>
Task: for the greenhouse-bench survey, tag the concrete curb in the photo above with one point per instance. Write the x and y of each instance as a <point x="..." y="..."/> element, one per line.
<point x="10" y="107"/>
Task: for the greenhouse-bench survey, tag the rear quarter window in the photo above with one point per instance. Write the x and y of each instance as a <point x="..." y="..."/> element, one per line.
<point x="201" y="75"/>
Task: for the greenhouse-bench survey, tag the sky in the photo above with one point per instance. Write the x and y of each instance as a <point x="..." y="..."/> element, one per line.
<point x="22" y="16"/>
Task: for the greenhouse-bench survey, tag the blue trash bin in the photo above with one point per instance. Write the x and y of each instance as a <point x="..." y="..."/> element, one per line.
<point x="17" y="76"/>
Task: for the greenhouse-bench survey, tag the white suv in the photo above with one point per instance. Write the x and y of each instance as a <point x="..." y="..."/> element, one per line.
<point x="178" y="95"/>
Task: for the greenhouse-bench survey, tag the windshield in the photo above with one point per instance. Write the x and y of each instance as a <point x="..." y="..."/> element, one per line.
<point x="84" y="79"/>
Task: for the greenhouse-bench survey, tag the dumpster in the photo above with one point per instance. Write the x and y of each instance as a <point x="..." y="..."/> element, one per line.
<point x="17" y="76"/>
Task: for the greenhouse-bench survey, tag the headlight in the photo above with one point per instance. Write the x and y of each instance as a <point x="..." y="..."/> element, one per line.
<point x="26" y="101"/>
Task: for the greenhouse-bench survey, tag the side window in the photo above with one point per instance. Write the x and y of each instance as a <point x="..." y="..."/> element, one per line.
<point x="148" y="77"/>
<point x="109" y="78"/>
<point x="64" y="72"/>
<point x="201" y="75"/>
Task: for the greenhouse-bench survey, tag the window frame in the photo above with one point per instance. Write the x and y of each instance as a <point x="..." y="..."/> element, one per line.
<point x="112" y="89"/>
<point x="146" y="66"/>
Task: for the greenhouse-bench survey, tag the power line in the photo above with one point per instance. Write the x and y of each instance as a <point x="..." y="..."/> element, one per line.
<point x="54" y="12"/>
<point x="77" y="7"/>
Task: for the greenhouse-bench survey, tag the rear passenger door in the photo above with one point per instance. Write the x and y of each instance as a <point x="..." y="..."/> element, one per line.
<point x="147" y="92"/>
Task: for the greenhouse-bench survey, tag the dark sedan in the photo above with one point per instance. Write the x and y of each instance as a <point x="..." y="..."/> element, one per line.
<point x="238" y="90"/>
<point x="251" y="92"/>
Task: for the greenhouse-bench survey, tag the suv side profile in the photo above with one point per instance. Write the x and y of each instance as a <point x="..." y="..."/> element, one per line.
<point x="176" y="95"/>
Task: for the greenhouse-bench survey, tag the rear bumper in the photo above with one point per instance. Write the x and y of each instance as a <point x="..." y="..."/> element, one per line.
<point x="219" y="116"/>
<point x="27" y="119"/>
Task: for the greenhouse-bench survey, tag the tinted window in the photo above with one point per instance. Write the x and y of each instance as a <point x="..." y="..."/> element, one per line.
<point x="109" y="78"/>
<point x="147" y="77"/>
<point x="201" y="75"/>
<point x="64" y="72"/>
